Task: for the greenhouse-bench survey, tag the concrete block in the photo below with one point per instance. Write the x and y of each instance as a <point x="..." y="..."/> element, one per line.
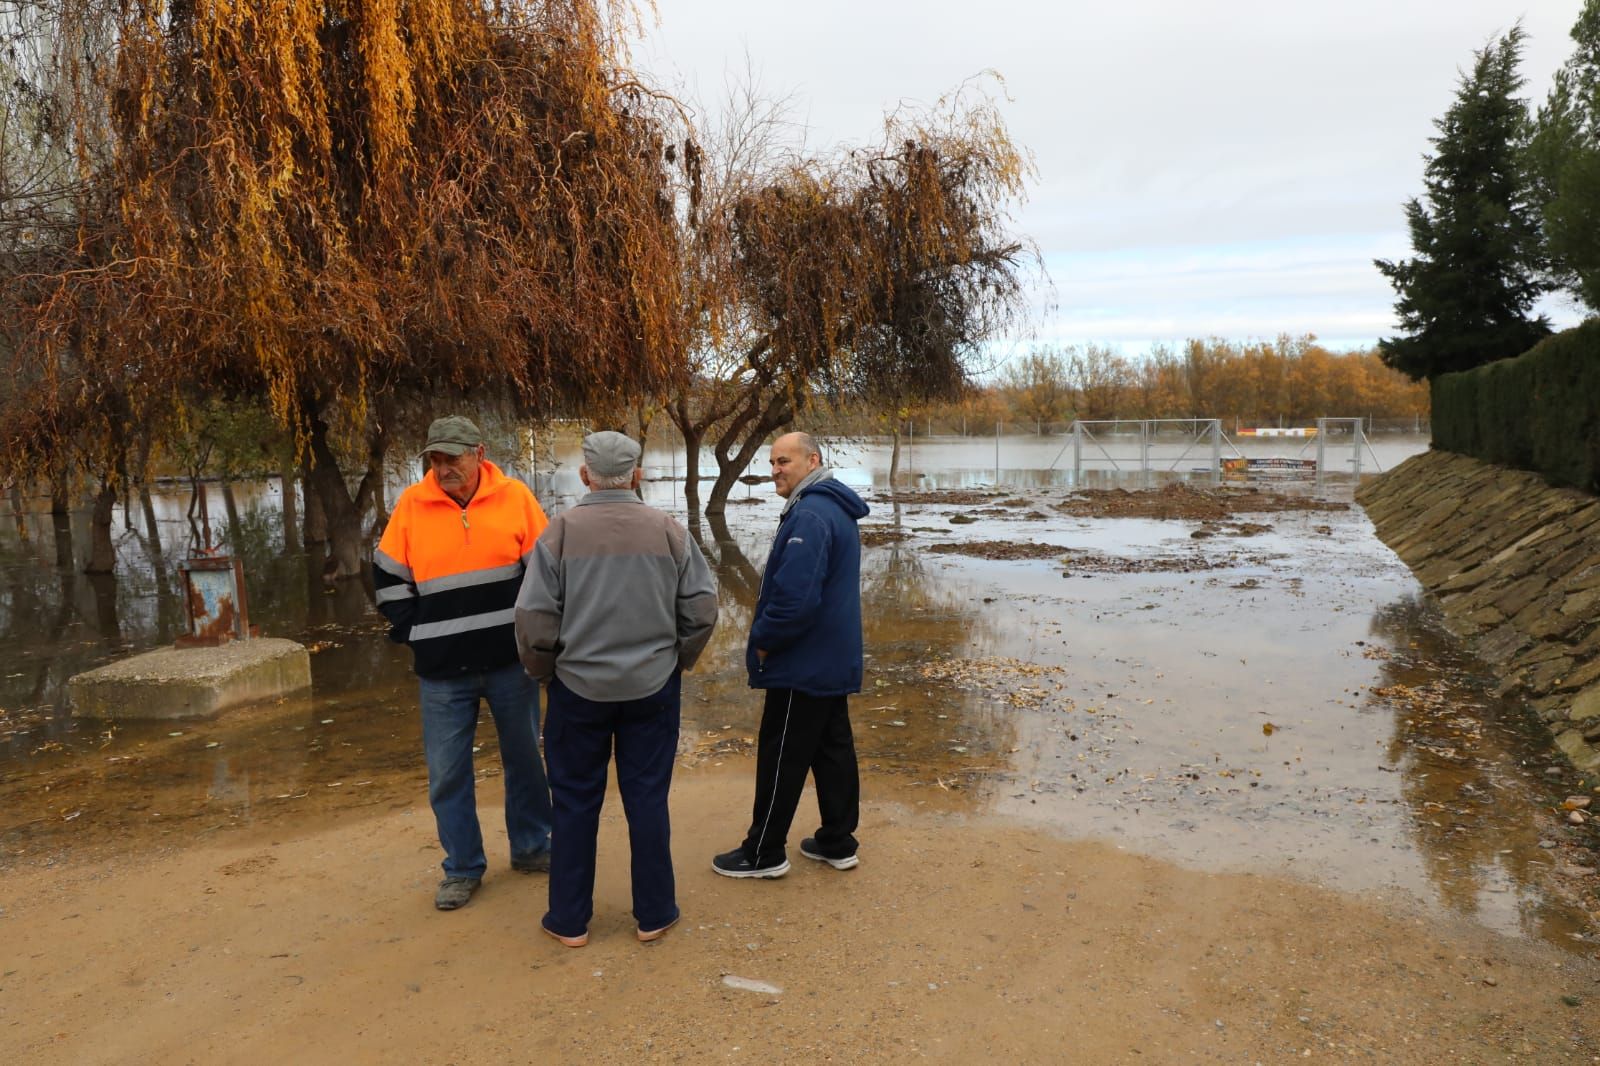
<point x="189" y="682"/>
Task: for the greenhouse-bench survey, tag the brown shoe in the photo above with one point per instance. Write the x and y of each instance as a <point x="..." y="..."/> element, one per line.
<point x="570" y="941"/>
<point x="647" y="935"/>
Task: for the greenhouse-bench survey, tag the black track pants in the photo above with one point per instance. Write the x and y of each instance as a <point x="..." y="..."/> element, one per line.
<point x="800" y="734"/>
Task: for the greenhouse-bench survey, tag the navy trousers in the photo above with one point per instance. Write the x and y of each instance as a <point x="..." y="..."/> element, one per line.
<point x="580" y="736"/>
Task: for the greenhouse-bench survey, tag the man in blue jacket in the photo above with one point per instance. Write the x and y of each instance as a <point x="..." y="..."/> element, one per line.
<point x="805" y="650"/>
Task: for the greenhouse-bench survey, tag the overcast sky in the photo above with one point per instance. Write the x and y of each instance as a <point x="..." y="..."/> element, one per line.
<point x="1205" y="167"/>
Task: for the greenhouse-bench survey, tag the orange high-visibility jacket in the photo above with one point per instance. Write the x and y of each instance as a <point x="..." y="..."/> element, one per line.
<point x="447" y="576"/>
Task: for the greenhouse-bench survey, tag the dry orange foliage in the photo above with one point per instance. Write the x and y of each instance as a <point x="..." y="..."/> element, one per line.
<point x="330" y="203"/>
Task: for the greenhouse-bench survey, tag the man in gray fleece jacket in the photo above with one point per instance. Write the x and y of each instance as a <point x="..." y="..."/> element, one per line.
<point x="616" y="602"/>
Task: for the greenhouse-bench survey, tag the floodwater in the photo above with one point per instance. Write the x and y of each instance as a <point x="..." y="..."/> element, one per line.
<point x="1281" y="698"/>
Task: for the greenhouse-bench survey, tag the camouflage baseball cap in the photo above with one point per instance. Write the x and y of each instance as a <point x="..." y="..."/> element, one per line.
<point x="452" y="435"/>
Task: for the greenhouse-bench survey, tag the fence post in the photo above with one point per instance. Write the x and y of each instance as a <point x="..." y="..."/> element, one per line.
<point x="997" y="454"/>
<point x="1216" y="447"/>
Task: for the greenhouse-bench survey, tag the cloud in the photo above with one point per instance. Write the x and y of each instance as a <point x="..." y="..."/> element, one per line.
<point x="1229" y="167"/>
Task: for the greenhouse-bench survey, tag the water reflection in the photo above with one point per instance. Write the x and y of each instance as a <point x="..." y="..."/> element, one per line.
<point x="1469" y="777"/>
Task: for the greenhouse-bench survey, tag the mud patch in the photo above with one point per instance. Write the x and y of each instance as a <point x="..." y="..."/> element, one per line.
<point x="1085" y="562"/>
<point x="1230" y="529"/>
<point x="1005" y="510"/>
<point x="1181" y="500"/>
<point x="999" y="549"/>
<point x="872" y="536"/>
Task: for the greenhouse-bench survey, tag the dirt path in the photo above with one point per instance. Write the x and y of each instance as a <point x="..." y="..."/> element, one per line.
<point x="955" y="940"/>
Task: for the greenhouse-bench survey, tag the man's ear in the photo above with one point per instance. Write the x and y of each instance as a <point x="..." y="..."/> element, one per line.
<point x="638" y="477"/>
<point x="583" y="475"/>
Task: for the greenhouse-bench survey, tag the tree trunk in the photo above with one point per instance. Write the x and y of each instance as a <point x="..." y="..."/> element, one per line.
<point x="199" y="534"/>
<point x="19" y="512"/>
<point x="60" y="499"/>
<point x="62" y="521"/>
<point x="691" y="469"/>
<point x="645" y="416"/>
<point x="102" y="553"/>
<point x="152" y="533"/>
<point x="127" y="494"/>
<point x="316" y="525"/>
<point x="340" y="517"/>
<point x="231" y="507"/>
<point x="894" y="459"/>
<point x="752" y="425"/>
<point x="291" y="511"/>
<point x="380" y="505"/>
<point x="371" y="493"/>
<point x="107" y="622"/>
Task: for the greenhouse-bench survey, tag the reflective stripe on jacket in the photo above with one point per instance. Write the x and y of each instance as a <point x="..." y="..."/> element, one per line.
<point x="447" y="576"/>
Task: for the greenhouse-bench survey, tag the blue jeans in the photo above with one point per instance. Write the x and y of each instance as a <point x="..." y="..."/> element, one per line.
<point x="449" y="722"/>
<point x="578" y="740"/>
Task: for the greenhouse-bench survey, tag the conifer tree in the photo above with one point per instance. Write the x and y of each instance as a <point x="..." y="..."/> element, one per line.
<point x="1564" y="157"/>
<point x="1467" y="296"/>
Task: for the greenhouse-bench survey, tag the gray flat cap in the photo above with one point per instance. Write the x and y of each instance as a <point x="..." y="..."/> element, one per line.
<point x="609" y="454"/>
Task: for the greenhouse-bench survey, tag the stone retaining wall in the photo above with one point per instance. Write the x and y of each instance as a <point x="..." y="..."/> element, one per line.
<point x="1516" y="566"/>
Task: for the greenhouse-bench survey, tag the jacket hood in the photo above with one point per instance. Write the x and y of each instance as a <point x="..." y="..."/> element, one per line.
<point x="841" y="494"/>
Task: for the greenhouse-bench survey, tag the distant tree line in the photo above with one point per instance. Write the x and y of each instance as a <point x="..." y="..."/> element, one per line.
<point x="1289" y="381"/>
<point x="1510" y="211"/>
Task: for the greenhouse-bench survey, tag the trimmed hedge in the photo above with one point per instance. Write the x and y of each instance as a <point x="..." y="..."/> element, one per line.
<point x="1539" y="411"/>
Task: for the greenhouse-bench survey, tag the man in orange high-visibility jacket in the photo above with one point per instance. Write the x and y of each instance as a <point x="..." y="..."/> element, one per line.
<point x="447" y="573"/>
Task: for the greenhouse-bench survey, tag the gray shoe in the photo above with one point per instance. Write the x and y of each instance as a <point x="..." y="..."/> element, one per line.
<point x="537" y="863"/>
<point x="455" y="891"/>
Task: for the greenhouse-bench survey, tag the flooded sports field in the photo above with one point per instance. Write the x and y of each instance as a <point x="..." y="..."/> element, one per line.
<point x="1236" y="675"/>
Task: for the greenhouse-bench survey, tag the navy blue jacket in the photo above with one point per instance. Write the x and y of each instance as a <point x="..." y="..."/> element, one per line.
<point x="808" y="615"/>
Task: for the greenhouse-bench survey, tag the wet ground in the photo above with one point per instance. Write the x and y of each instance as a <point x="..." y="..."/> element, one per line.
<point x="1226" y="685"/>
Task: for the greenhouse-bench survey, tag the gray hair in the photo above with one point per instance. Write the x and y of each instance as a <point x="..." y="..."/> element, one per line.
<point x="808" y="444"/>
<point x="618" y="481"/>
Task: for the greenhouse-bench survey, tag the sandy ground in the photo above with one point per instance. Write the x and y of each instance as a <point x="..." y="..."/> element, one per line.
<point x="956" y="939"/>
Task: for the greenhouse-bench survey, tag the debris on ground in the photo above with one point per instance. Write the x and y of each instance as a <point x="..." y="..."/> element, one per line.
<point x="872" y="536"/>
<point x="1016" y="682"/>
<point x="999" y="549"/>
<point x="1184" y="501"/>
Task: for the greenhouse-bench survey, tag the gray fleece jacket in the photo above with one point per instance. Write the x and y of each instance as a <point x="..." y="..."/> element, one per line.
<point x="616" y="597"/>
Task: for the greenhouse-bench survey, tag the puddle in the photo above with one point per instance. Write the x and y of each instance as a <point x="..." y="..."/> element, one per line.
<point x="1277" y="698"/>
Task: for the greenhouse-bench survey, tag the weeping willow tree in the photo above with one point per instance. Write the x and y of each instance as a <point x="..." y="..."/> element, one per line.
<point x="874" y="274"/>
<point x="337" y="205"/>
<point x="54" y="141"/>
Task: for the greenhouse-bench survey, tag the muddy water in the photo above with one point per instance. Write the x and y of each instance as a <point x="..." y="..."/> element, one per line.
<point x="1280" y="699"/>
